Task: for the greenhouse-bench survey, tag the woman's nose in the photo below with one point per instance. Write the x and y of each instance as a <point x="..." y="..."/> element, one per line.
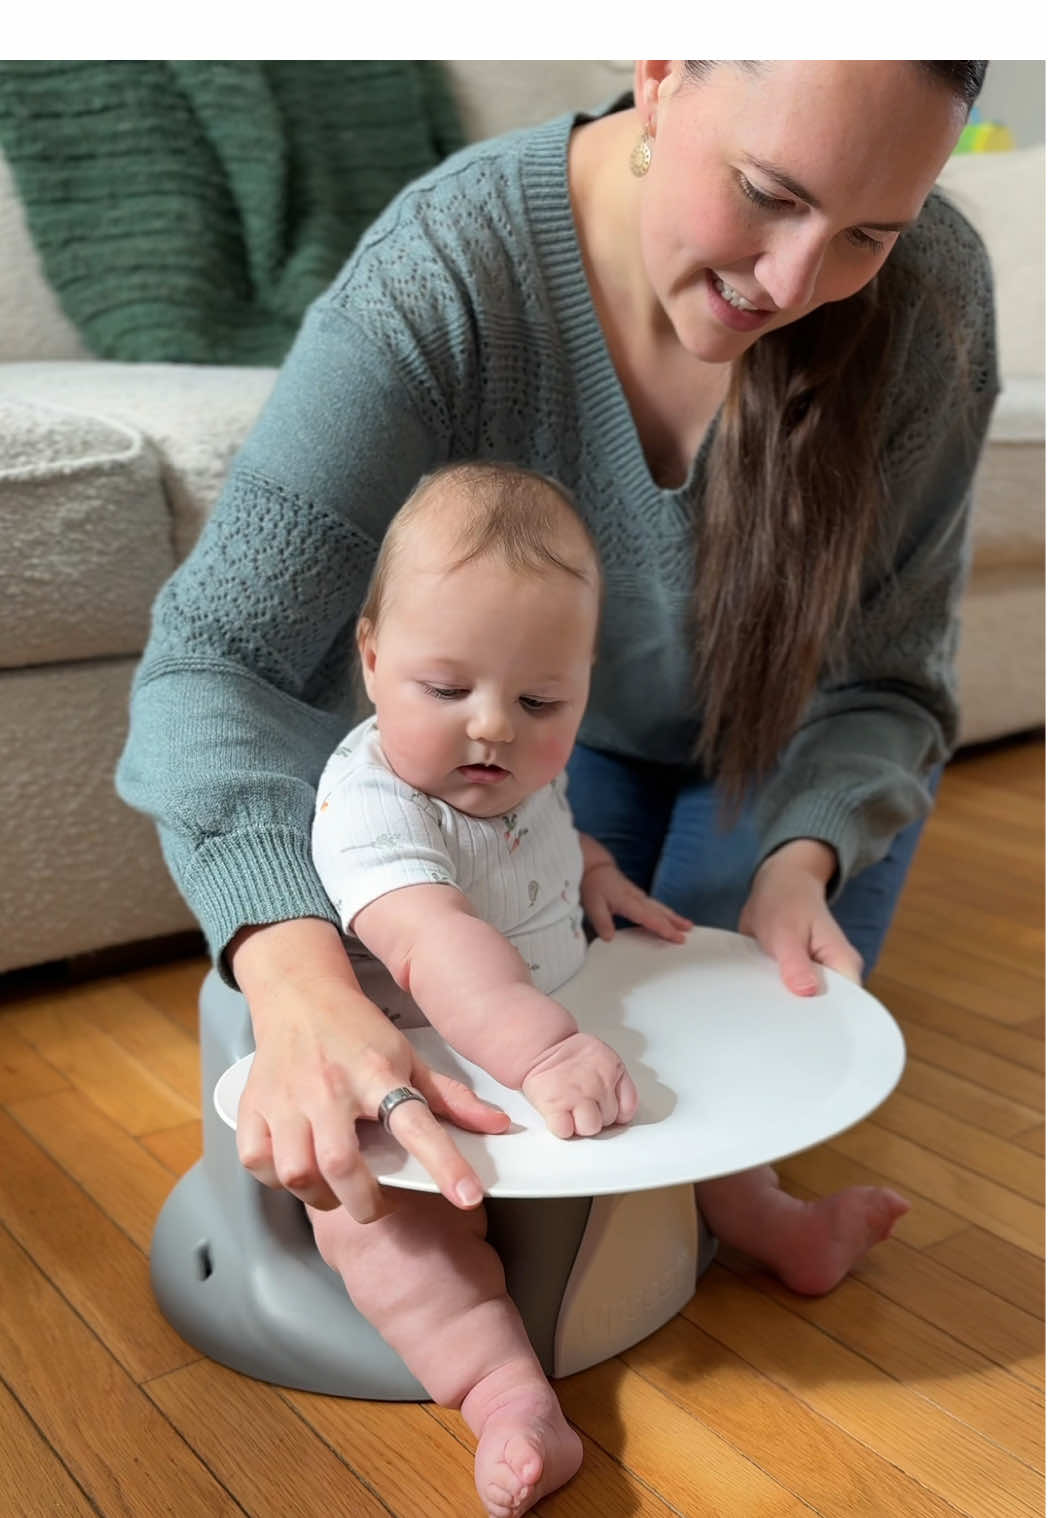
<point x="789" y="271"/>
<point x="490" y="721"/>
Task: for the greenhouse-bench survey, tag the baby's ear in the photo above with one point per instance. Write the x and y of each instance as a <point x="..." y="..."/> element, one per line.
<point x="366" y="650"/>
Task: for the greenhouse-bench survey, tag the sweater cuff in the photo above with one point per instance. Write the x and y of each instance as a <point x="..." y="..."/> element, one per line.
<point x="241" y="879"/>
<point x="834" y="821"/>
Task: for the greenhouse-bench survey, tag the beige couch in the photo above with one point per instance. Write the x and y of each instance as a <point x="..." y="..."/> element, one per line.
<point x="108" y="470"/>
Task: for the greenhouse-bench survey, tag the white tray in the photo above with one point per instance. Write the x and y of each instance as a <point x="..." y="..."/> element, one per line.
<point x="732" y="1070"/>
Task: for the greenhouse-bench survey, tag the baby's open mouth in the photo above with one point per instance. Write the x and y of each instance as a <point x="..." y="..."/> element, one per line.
<point x="483" y="774"/>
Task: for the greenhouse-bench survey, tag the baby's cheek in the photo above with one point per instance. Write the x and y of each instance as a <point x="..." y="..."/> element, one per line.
<point x="554" y="751"/>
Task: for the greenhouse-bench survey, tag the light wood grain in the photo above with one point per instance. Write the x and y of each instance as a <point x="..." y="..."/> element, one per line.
<point x="919" y="1009"/>
<point x="896" y="1421"/>
<point x="1008" y="1273"/>
<point x="22" y="1071"/>
<point x="176" y="1148"/>
<point x="125" y="1181"/>
<point x="973" y="1105"/>
<point x="50" y="1491"/>
<point x="97" y="1268"/>
<point x="910" y="1348"/>
<point x="92" y="1414"/>
<point x="253" y="1440"/>
<point x="125" y="1089"/>
<point x="795" y="1444"/>
<point x="1033" y="1140"/>
<point x="947" y="1136"/>
<point x="662" y="1443"/>
<point x="168" y="1051"/>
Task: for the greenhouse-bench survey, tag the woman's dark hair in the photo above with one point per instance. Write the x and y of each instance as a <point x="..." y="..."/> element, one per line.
<point x="792" y="512"/>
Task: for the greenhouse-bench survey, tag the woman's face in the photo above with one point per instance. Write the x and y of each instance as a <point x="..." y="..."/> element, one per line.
<point x="777" y="187"/>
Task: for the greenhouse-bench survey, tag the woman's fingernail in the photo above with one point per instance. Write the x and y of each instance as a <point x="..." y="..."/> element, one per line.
<point x="468" y="1193"/>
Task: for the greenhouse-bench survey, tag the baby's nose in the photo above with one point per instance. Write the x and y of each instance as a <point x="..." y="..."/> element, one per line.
<point x="491" y="722"/>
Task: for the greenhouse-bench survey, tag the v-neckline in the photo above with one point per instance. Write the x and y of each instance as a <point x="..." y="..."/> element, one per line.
<point x="581" y="331"/>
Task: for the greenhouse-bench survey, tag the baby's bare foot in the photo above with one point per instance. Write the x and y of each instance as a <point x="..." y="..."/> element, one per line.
<point x="810" y="1246"/>
<point x="823" y="1240"/>
<point x="525" y="1446"/>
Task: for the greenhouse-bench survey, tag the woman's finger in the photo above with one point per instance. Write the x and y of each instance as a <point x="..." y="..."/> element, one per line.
<point x="414" y="1126"/>
<point x="454" y="1100"/>
<point x="296" y="1166"/>
<point x="350" y="1180"/>
<point x="254" y="1145"/>
<point x="840" y="956"/>
<point x="796" y="970"/>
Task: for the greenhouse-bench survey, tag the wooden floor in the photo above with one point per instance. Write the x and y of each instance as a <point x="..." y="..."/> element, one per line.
<point x="915" y="1390"/>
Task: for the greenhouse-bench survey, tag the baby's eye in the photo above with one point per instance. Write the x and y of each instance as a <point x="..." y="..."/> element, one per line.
<point x="535" y="704"/>
<point x="444" y="692"/>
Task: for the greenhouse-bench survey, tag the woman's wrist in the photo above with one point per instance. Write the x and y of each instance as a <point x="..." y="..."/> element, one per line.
<point x="809" y="855"/>
<point x="306" y="953"/>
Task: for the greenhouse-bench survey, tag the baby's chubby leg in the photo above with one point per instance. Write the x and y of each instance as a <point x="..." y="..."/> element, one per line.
<point x="436" y="1292"/>
<point x="810" y="1246"/>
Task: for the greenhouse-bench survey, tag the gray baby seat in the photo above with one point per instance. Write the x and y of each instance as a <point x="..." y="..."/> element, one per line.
<point x="236" y="1271"/>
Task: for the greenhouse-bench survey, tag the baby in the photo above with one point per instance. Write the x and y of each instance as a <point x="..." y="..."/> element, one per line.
<point x="443" y="836"/>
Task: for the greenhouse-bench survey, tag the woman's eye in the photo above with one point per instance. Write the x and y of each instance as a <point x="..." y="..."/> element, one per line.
<point x="444" y="692"/>
<point x="766" y="202"/>
<point x="863" y="239"/>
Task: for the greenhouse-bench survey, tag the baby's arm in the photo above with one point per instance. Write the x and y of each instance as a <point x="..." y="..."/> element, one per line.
<point x="475" y="989"/>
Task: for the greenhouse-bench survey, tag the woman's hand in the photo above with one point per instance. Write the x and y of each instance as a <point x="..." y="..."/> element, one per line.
<point x="325" y="1057"/>
<point x="787" y="914"/>
<point x="606" y="893"/>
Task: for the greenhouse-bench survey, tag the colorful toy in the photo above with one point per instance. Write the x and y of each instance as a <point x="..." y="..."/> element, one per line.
<point x="981" y="136"/>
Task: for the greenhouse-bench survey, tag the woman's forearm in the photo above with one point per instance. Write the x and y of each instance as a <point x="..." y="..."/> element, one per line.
<point x="306" y="952"/>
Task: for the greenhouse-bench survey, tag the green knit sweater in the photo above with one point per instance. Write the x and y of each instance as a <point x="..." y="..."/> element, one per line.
<point x="461" y="327"/>
<point x="190" y="211"/>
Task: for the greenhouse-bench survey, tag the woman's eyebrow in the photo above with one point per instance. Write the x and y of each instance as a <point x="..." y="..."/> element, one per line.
<point x="788" y="183"/>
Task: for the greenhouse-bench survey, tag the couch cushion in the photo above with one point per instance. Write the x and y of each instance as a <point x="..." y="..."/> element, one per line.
<point x="1002" y="194"/>
<point x="85" y="537"/>
<point x="31" y="319"/>
<point x="1008" y="521"/>
<point x="196" y="415"/>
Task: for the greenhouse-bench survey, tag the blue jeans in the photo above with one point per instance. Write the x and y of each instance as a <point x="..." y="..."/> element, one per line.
<point x="661" y="825"/>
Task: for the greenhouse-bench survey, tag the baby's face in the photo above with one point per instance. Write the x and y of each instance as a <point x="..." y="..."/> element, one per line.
<point x="479" y="676"/>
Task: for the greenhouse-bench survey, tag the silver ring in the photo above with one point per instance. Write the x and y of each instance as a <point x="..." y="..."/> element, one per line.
<point x="393" y="1099"/>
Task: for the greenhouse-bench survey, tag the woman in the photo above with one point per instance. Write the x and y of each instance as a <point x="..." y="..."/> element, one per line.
<point x="731" y="318"/>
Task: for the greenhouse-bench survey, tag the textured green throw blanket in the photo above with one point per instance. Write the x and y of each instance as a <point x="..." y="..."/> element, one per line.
<point x="190" y="211"/>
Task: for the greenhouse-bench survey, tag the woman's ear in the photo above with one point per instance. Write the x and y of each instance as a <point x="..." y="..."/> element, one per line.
<point x="654" y="80"/>
<point x="648" y="74"/>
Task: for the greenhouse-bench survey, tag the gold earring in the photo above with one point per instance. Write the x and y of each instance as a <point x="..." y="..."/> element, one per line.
<point x="640" y="158"/>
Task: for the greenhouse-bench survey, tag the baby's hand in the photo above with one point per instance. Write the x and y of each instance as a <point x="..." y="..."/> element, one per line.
<point x="607" y="893"/>
<point x="580" y="1086"/>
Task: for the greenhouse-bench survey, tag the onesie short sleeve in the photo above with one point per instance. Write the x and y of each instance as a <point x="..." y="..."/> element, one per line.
<point x="373" y="834"/>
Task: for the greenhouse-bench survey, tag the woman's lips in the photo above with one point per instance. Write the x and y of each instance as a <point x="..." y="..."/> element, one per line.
<point x="731" y="316"/>
<point x="483" y="774"/>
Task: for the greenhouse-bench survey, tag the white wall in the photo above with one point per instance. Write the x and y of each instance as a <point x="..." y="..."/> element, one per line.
<point x="1014" y="95"/>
